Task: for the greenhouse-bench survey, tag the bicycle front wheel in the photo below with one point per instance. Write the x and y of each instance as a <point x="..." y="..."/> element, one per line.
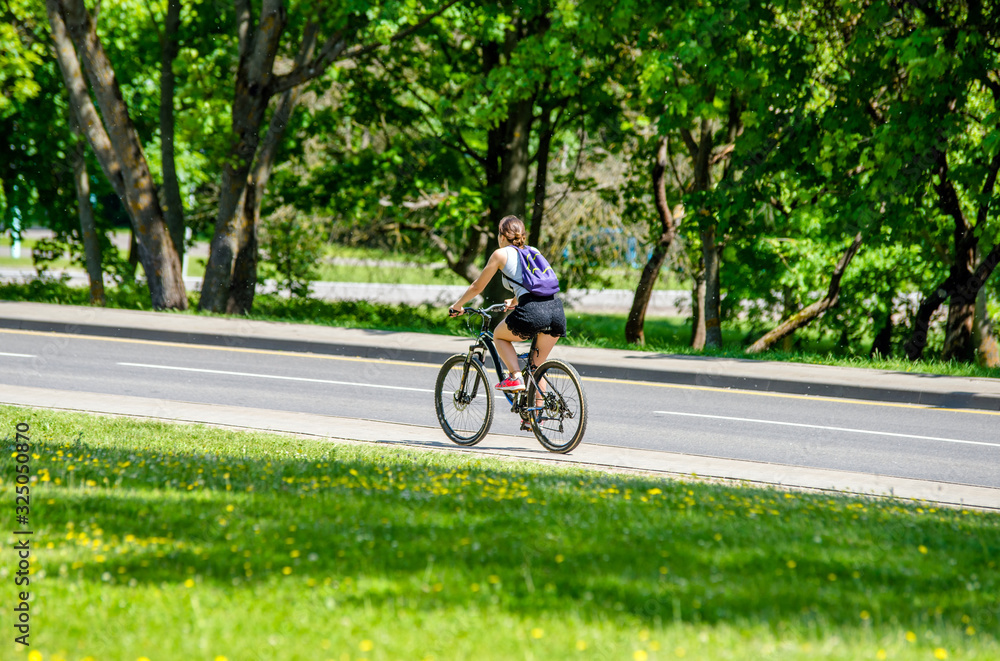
<point x="561" y="416"/>
<point x="463" y="400"/>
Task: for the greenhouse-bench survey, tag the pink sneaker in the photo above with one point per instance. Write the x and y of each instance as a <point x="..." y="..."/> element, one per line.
<point x="510" y="384"/>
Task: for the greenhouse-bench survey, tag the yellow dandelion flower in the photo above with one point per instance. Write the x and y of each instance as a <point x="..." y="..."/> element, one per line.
<point x="940" y="653"/>
<point x="865" y="615"/>
<point x="221" y="658"/>
<point x="34" y="655"/>
<point x="560" y="558"/>
<point x="881" y="655"/>
<point x="494" y="579"/>
<point x="654" y="492"/>
<point x="189" y="583"/>
<point x="922" y="549"/>
<point x="581" y="645"/>
<point x="970" y="631"/>
<point x="640" y="655"/>
<point x="366" y="646"/>
<point x="286" y="571"/>
<point x="537" y="633"/>
<point x="911" y="637"/>
<point x="791" y="564"/>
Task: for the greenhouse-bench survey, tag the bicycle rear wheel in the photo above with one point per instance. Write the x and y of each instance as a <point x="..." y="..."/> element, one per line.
<point x="560" y="425"/>
<point x="463" y="400"/>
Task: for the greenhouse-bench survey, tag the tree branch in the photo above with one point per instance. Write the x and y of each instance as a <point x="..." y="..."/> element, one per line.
<point x="335" y="48"/>
<point x="810" y="312"/>
<point x="988" y="186"/>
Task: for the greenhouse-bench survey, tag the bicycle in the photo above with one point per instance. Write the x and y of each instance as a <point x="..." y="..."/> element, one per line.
<point x="463" y="395"/>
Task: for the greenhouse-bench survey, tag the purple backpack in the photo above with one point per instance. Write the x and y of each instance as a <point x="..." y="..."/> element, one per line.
<point x="537" y="275"/>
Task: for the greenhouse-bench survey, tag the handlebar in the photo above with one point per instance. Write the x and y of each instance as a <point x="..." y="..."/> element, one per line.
<point x="485" y="313"/>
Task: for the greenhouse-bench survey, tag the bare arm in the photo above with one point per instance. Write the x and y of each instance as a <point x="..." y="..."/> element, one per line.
<point x="497" y="261"/>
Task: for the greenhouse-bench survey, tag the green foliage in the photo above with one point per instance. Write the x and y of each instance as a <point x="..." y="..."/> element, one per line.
<point x="841" y="112"/>
<point x="290" y="245"/>
<point x="21" y="55"/>
<point x="129" y="295"/>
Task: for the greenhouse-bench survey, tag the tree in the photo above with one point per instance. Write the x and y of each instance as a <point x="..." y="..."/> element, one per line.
<point x="260" y="39"/>
<point x="116" y="144"/>
<point x="704" y="69"/>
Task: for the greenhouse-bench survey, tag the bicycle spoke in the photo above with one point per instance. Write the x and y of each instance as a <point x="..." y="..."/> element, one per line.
<point x="561" y="421"/>
<point x="463" y="400"/>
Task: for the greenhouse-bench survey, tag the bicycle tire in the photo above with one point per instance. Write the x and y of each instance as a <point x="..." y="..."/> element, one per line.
<point x="465" y="414"/>
<point x="565" y="400"/>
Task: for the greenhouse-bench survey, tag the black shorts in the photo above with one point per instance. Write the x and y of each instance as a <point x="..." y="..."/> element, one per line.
<point x="537" y="314"/>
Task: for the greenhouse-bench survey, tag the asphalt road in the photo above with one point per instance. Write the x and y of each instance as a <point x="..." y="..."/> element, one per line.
<point x="956" y="446"/>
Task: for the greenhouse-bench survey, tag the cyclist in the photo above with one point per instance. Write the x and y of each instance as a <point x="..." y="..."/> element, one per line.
<point x="529" y="316"/>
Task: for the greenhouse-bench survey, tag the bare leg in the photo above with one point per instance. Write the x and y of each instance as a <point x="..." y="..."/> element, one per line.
<point x="543" y="346"/>
<point x="503" y="338"/>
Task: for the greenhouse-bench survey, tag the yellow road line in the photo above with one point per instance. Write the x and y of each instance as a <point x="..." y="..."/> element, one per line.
<point x="596" y="379"/>
<point x="206" y="347"/>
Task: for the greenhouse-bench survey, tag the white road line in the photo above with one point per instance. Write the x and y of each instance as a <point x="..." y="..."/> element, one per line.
<point x="17" y="355"/>
<point x="272" y="376"/>
<point x="844" y="429"/>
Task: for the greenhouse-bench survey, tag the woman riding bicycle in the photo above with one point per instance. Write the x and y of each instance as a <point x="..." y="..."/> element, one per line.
<point x="530" y="316"/>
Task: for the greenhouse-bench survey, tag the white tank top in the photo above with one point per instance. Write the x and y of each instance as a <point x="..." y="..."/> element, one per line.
<point x="512" y="269"/>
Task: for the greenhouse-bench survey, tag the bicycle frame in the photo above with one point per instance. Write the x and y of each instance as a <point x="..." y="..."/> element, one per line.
<point x="485" y="342"/>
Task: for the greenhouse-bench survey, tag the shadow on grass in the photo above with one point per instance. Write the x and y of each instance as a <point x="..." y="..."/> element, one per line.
<point x="440" y="531"/>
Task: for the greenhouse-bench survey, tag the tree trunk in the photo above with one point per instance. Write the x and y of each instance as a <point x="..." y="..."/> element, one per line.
<point x="514" y="162"/>
<point x="173" y="207"/>
<point x="635" y="325"/>
<point x="713" y="295"/>
<point x="966" y="289"/>
<point x="83" y="108"/>
<point x="541" y="177"/>
<point x="810" y="312"/>
<point x="788" y="303"/>
<point x="244" y="283"/>
<point x="958" y="344"/>
<point x="710" y="252"/>
<point x="253" y="78"/>
<point x="697" y="305"/>
<point x="156" y="250"/>
<point x="882" y="344"/>
<point x="133" y="253"/>
<point x="88" y="231"/>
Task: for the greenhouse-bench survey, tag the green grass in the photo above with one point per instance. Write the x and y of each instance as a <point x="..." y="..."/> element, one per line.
<point x="185" y="542"/>
<point x="25" y="261"/>
<point x="663" y="334"/>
